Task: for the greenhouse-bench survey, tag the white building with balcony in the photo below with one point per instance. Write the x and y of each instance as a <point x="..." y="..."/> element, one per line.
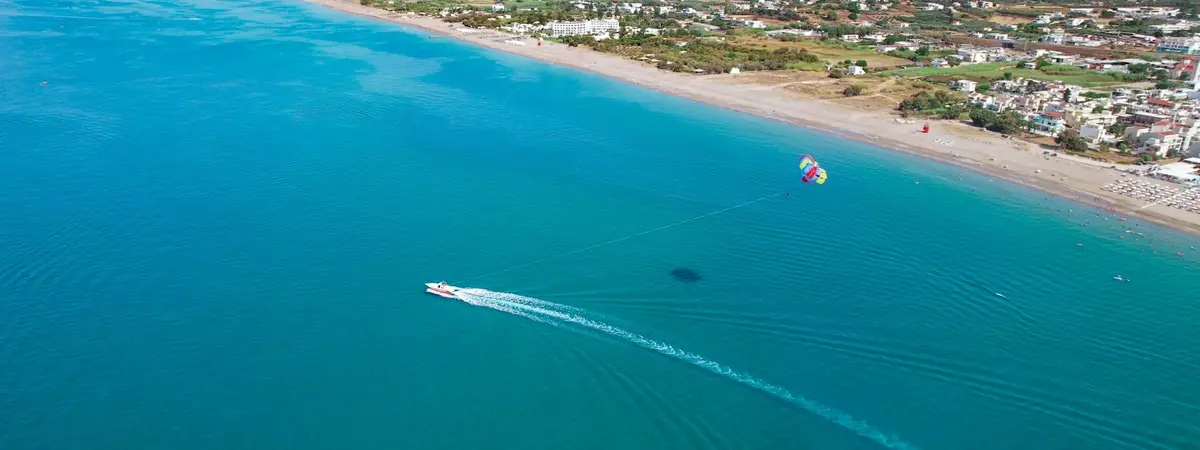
<point x="1094" y="134"/>
<point x="1161" y="144"/>
<point x="577" y="28"/>
<point x="1053" y="38"/>
<point x="1168" y="28"/>
<point x="630" y="8"/>
<point x="1187" y="46"/>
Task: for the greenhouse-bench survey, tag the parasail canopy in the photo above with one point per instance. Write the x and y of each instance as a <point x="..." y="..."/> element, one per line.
<point x="810" y="171"/>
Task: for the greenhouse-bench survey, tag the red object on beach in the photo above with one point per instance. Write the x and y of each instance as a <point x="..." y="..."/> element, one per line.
<point x="539" y="42"/>
<point x="925" y="129"/>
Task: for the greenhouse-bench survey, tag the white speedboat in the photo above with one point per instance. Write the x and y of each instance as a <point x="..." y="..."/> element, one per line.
<point x="442" y="289"/>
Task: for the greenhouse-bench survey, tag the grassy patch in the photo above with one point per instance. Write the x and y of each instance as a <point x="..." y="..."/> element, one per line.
<point x="833" y="51"/>
<point x="538" y="4"/>
<point x="808" y="67"/>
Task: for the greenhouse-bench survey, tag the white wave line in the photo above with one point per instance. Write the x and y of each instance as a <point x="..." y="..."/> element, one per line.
<point x="516" y="312"/>
<point x="493" y="300"/>
<point x="523" y="299"/>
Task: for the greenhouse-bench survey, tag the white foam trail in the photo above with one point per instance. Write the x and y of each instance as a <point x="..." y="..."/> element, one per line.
<point x="514" y="298"/>
<point x="527" y="309"/>
<point x="504" y="308"/>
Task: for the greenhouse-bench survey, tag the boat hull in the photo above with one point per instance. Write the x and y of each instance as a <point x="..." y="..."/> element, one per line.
<point x="446" y="292"/>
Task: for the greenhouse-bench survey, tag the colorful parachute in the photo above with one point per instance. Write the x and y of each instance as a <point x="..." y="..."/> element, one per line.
<point x="810" y="171"/>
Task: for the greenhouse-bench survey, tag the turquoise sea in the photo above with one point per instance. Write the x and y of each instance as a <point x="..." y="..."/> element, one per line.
<point x="216" y="217"/>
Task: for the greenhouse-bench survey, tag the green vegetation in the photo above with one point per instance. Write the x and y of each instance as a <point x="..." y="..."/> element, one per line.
<point x="837" y="31"/>
<point x="853" y="90"/>
<point x="638" y="21"/>
<point x="705" y="55"/>
<point x="689" y="50"/>
<point x="1021" y="12"/>
<point x="1007" y="122"/>
<point x="931" y="20"/>
<point x="832" y="50"/>
<point x="521" y="11"/>
<point x="816" y="66"/>
<point x="944" y="21"/>
<point x="1168" y="84"/>
<point x="920" y="54"/>
<point x="1133" y="26"/>
<point x="421" y="6"/>
<point x="992" y="71"/>
<point x="1117" y="129"/>
<point x="976" y="12"/>
<point x="785" y="15"/>
<point x="952" y="112"/>
<point x="1070" y="140"/>
<point x="944" y="104"/>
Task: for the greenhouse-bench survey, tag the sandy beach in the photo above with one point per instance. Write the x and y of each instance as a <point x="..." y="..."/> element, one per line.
<point x="955" y="143"/>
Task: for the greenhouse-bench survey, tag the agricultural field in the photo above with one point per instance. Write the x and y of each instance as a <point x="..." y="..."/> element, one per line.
<point x="1004" y="19"/>
<point x="832" y="52"/>
<point x="513" y="5"/>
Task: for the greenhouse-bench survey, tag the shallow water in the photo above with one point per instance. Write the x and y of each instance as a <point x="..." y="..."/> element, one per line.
<point x="217" y="216"/>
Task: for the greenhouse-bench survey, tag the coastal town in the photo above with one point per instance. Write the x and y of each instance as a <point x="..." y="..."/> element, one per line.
<point x="1112" y="84"/>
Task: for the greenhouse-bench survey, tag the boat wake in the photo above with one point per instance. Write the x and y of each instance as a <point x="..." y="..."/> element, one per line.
<point x="563" y="316"/>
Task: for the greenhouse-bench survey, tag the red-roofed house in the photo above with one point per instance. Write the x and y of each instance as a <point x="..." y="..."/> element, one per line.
<point x="1185" y="66"/>
<point x="1162" y="125"/>
<point x="1157" y="106"/>
<point x="1162" y="103"/>
<point x="1143" y="118"/>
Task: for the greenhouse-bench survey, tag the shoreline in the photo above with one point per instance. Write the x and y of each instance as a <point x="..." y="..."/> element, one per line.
<point x="956" y="144"/>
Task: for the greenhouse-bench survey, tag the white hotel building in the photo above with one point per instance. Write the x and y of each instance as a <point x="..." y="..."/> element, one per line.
<point x="1187" y="46"/>
<point x="584" y="27"/>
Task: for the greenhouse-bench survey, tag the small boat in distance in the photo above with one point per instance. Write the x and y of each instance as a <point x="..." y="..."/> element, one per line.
<point x="442" y="289"/>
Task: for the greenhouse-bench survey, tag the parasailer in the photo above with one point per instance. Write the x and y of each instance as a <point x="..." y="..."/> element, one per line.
<point x="810" y="171"/>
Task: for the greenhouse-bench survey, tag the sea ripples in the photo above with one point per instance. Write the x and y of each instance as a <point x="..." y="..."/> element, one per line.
<point x="234" y="202"/>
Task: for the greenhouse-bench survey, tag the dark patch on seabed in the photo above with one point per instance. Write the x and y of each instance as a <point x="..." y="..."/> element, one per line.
<point x="685" y="275"/>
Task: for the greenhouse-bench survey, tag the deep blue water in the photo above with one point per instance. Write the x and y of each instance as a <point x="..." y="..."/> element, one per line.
<point x="216" y="216"/>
